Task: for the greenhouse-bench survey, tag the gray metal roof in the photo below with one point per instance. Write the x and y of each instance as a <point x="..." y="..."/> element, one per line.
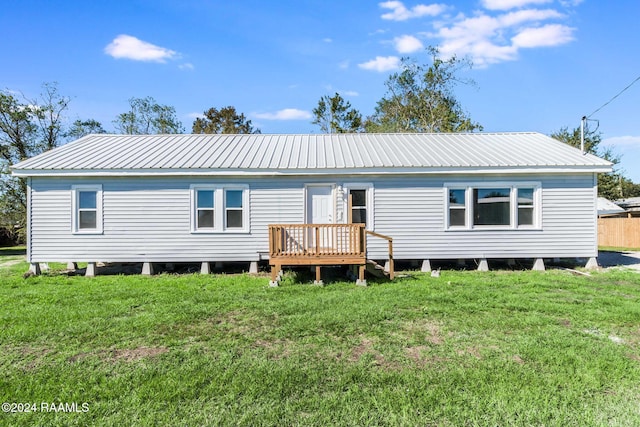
<point x="334" y="153"/>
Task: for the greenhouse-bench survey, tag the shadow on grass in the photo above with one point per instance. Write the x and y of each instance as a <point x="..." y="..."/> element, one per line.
<point x="13" y="250"/>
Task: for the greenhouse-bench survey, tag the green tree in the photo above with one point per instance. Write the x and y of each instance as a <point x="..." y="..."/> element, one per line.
<point x="613" y="185"/>
<point x="146" y="116"/>
<point x="224" y="120"/>
<point x="80" y="128"/>
<point x="335" y="115"/>
<point x="27" y="127"/>
<point x="420" y="98"/>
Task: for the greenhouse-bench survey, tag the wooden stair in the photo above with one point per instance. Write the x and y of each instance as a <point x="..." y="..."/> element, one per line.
<point x="376" y="269"/>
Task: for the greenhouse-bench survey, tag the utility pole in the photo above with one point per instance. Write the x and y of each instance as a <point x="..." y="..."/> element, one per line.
<point x="582" y="122"/>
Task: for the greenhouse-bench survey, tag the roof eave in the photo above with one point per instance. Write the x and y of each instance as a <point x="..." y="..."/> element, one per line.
<point x="315" y="172"/>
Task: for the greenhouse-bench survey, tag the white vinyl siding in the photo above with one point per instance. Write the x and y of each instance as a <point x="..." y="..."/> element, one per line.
<point x="150" y="219"/>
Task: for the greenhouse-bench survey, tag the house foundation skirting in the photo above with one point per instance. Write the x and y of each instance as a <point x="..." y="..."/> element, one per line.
<point x="357" y="273"/>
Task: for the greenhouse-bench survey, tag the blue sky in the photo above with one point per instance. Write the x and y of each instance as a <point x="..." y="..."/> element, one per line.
<point x="539" y="65"/>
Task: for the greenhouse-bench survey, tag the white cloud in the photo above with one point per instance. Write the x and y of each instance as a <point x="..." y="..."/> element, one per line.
<point x="351" y="93"/>
<point x="129" y="47"/>
<point x="327" y="40"/>
<point x="510" y="4"/>
<point x="186" y="66"/>
<point x="381" y="64"/>
<point x="528" y="15"/>
<point x="570" y="3"/>
<point x="547" y="35"/>
<point x="489" y="39"/>
<point x="344" y="64"/>
<point x="622" y="141"/>
<point x="286" y="114"/>
<point x="400" y="13"/>
<point x="407" y="44"/>
<point x="194" y="116"/>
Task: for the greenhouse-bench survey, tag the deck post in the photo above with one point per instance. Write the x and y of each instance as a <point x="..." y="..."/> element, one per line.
<point x="318" y="280"/>
<point x="275" y="276"/>
<point x="35" y="268"/>
<point x="426" y="266"/>
<point x="147" y="269"/>
<point x="253" y="267"/>
<point x="483" y="265"/>
<point x="361" y="280"/>
<point x="72" y="265"/>
<point x="511" y="262"/>
<point x="205" y="268"/>
<point x="91" y="269"/>
<point x="538" y="264"/>
<point x="592" y="263"/>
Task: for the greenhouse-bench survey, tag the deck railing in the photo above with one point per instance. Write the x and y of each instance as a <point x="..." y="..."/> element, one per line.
<point x="304" y="241"/>
<point x="322" y="244"/>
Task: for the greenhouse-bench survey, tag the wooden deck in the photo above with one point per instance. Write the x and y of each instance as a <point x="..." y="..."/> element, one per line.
<point x="321" y="244"/>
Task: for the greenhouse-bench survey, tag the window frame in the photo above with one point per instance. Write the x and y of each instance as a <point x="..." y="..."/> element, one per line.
<point x="369" y="197"/>
<point x="219" y="208"/>
<point x="198" y="209"/>
<point x="75" y="208"/>
<point x="513" y="187"/>
<point x="243" y="208"/>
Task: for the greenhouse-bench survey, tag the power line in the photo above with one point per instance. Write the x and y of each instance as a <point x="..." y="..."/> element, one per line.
<point x="617" y="95"/>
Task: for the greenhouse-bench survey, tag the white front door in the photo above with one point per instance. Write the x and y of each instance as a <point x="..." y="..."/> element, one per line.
<point x="320" y="205"/>
<point x="320" y="211"/>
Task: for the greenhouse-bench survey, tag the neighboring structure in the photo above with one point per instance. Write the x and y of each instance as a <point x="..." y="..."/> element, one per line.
<point x="211" y="198"/>
<point x="631" y="206"/>
<point x="606" y="208"/>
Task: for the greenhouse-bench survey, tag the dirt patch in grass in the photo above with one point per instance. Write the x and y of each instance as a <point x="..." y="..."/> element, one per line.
<point x="131" y="355"/>
<point x="365" y="350"/>
<point x="276" y="349"/>
<point x="122" y="354"/>
<point x="423" y="329"/>
<point x="29" y="357"/>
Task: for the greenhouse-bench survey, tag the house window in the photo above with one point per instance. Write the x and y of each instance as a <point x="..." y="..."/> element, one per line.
<point x="87" y="209"/>
<point x="358" y="204"/>
<point x="233" y="208"/>
<point x="457" y="208"/>
<point x="525" y="206"/>
<point x="205" y="216"/>
<point x="491" y="206"/>
<point x="218" y="209"/>
<point x="481" y="206"/>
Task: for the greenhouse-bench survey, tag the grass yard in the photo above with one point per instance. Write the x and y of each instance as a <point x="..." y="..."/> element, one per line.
<point x="467" y="348"/>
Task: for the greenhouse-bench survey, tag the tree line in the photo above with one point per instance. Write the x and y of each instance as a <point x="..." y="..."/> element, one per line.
<point x="418" y="98"/>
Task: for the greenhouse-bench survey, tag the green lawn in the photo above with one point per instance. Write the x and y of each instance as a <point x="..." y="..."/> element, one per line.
<point x="467" y="348"/>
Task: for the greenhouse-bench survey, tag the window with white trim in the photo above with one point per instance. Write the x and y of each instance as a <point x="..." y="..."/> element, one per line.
<point x="86" y="209"/>
<point x="457" y="207"/>
<point x="233" y="206"/>
<point x="359" y="203"/>
<point x="219" y="208"/>
<point x="205" y="209"/>
<point x="492" y="206"/>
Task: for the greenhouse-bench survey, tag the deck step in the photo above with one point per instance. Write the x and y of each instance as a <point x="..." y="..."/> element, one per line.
<point x="376" y="269"/>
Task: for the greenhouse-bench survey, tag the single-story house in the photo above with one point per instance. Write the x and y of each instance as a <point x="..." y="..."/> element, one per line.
<point x="212" y="198"/>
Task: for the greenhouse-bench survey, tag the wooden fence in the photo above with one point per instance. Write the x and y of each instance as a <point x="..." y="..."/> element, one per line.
<point x="619" y="232"/>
